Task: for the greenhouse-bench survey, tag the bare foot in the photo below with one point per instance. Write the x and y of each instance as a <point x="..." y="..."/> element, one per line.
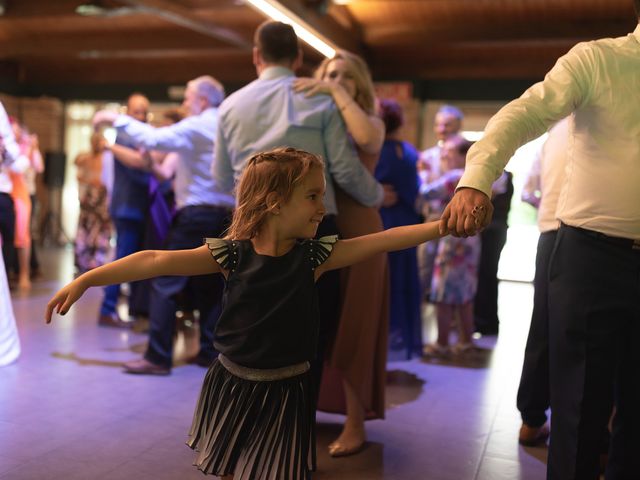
<point x="24" y="284"/>
<point x="350" y="441"/>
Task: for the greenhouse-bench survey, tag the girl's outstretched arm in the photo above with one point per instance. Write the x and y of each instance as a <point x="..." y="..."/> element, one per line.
<point x="138" y="266"/>
<point x="353" y="250"/>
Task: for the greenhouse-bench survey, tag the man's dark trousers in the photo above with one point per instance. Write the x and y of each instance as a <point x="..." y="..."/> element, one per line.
<point x="533" y="393"/>
<point x="594" y="327"/>
<point x="190" y="226"/>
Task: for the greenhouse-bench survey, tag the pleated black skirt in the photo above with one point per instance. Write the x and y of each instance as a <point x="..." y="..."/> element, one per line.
<point x="255" y="430"/>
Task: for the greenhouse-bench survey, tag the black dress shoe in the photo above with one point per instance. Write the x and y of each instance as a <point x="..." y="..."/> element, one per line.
<point x="487" y="329"/>
<point x="113" y="320"/>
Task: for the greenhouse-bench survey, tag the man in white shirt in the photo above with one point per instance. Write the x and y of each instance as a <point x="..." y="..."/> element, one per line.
<point x="203" y="210"/>
<point x="541" y="190"/>
<point x="594" y="272"/>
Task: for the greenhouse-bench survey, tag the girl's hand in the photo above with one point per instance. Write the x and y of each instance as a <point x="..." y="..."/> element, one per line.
<point x="65" y="297"/>
<point x="312" y="86"/>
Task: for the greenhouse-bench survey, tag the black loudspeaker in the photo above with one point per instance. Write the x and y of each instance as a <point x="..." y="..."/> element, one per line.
<point x="54" y="168"/>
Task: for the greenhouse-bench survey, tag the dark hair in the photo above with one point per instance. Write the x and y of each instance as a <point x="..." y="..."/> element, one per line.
<point x="636" y="5"/>
<point x="174" y="115"/>
<point x="463" y="145"/>
<point x="276" y="41"/>
<point x="391" y="114"/>
<point x="275" y="171"/>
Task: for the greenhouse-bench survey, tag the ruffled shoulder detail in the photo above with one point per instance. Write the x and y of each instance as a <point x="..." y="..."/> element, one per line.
<point x="223" y="251"/>
<point x="319" y="250"/>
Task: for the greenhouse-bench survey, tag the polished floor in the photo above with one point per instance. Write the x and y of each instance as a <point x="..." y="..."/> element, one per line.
<point x="67" y="412"/>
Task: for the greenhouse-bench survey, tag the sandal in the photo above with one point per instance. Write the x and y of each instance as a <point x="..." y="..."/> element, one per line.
<point x="436" y="350"/>
<point x="462" y="348"/>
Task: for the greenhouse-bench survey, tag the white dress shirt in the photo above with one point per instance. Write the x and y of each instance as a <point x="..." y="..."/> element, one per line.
<point x="599" y="82"/>
<point x="548" y="175"/>
<point x="193" y="138"/>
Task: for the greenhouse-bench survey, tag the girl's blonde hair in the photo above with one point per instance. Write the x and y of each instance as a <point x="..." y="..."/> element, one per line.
<point x="365" y="94"/>
<point x="276" y="171"/>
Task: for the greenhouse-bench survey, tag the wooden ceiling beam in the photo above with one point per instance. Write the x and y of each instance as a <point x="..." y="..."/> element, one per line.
<point x="186" y="18"/>
<point x="76" y="44"/>
<point x="233" y="68"/>
<point x="508" y="31"/>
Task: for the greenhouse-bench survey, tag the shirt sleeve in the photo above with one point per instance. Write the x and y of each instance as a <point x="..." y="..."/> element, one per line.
<point x="223" y="252"/>
<point x="176" y="137"/>
<point x="565" y="88"/>
<point x="221" y="167"/>
<point x="319" y="250"/>
<point x="345" y="167"/>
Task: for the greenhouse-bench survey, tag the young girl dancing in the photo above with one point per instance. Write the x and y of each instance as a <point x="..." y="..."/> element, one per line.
<point x="255" y="416"/>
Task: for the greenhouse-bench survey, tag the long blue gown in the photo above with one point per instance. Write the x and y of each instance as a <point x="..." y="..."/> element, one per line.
<point x="397" y="167"/>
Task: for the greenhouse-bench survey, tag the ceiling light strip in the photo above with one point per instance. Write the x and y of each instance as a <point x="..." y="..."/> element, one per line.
<point x="275" y="11"/>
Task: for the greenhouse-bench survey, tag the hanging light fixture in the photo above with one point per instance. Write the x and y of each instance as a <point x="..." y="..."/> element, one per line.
<point x="276" y="11"/>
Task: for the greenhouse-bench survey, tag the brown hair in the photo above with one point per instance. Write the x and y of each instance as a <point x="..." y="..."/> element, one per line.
<point x="365" y="94"/>
<point x="278" y="170"/>
<point x="391" y="114"/>
<point x="276" y="41"/>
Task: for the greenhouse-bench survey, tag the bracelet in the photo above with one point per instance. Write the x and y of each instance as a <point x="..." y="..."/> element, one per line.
<point x="346" y="105"/>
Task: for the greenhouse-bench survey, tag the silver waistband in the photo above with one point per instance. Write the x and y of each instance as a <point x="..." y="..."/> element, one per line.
<point x="263" y="374"/>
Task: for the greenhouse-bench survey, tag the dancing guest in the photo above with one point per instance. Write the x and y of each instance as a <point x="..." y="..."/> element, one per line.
<point x="455" y="274"/>
<point x="94" y="223"/>
<point x="128" y="208"/>
<point x="201" y="210"/>
<point x="542" y="190"/>
<point x="354" y="377"/>
<point x="431" y="166"/>
<point x="494" y="237"/>
<point x="593" y="270"/>
<point x="22" y="201"/>
<point x="397" y="168"/>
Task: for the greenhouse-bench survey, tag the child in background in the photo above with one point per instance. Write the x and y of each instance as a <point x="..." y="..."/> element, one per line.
<point x="255" y="416"/>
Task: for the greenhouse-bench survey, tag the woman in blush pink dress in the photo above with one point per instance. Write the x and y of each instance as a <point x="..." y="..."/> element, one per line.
<point x="354" y="375"/>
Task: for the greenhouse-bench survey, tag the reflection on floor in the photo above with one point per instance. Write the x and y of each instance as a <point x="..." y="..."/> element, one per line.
<point x="68" y="412"/>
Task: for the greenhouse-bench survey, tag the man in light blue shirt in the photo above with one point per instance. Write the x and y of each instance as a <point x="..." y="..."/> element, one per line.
<point x="267" y="113"/>
<point x="203" y="210"/>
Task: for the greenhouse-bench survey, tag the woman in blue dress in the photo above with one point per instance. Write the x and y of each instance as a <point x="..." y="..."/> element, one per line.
<point x="397" y="168"/>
